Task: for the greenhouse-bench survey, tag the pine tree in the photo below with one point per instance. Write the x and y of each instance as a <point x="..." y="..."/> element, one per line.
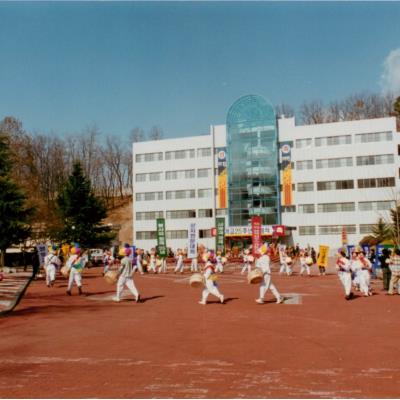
<point x="81" y="212"/>
<point x="14" y="213"/>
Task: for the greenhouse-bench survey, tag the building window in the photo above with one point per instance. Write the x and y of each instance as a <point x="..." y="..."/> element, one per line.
<point x="178" y="234"/>
<point x="374" y="137"/>
<point x="302" y="143"/>
<point x="203" y="172"/>
<point x="334" y="162"/>
<point x="201" y="193"/>
<point x="206" y="213"/>
<point x="333" y="140"/>
<point x="336" y="229"/>
<point x="179" y="154"/>
<point x="180" y="174"/>
<point x="335" y="185"/>
<point x="287" y="209"/>
<point x="141" y="177"/>
<point x="305" y="186"/>
<point x="146" y="235"/>
<point x="205" y="233"/>
<point x="147" y="157"/>
<point x="180" y="194"/>
<point x="149" y="196"/>
<point x="155" y="176"/>
<point x="304" y="164"/>
<point x="306" y="208"/>
<point x="306" y="230"/>
<point x="179" y="214"/>
<point x="204" y="152"/>
<point x="366" y="228"/>
<point x="375" y="182"/>
<point x="336" y="207"/>
<point x="376" y="205"/>
<point x="221" y="212"/>
<point x="376" y="159"/>
<point x="149" y="215"/>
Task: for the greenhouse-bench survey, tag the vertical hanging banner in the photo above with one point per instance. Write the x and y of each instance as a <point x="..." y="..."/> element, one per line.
<point x="323" y="256"/>
<point x="256" y="240"/>
<point x="42" y="252"/>
<point x="344" y="236"/>
<point x="161" y="239"/>
<point x="222" y="178"/>
<point x="192" y="248"/>
<point x="286" y="167"/>
<point x="220" y="238"/>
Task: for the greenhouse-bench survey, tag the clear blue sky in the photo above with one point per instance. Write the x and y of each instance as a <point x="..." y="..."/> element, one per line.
<point x="180" y="65"/>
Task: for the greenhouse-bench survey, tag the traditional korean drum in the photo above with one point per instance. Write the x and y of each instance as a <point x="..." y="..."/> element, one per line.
<point x="111" y="277"/>
<point x="309" y="261"/>
<point x="288" y="260"/>
<point x="250" y="258"/>
<point x="196" y="280"/>
<point x="255" y="276"/>
<point x="65" y="271"/>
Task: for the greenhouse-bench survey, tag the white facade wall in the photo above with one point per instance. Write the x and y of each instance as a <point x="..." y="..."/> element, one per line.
<point x="196" y="163"/>
<point x="288" y="131"/>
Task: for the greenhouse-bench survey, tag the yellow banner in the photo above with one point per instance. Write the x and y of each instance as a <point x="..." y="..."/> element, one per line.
<point x="222" y="187"/>
<point x="287" y="193"/>
<point x="323" y="256"/>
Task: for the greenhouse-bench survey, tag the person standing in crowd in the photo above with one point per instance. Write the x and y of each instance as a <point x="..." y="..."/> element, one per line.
<point x="263" y="263"/>
<point x="107" y="261"/>
<point x="51" y="264"/>
<point x="210" y="284"/>
<point x="386" y="273"/>
<point x="372" y="260"/>
<point x="344" y="272"/>
<point x="394" y="266"/>
<point x="125" y="278"/>
<point x="75" y="264"/>
<point x="246" y="262"/>
<point x="179" y="262"/>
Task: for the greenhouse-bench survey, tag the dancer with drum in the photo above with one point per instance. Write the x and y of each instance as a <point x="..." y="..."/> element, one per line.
<point x="210" y="284"/>
<point x="75" y="264"/>
<point x="220" y="266"/>
<point x="343" y="266"/>
<point x="51" y="263"/>
<point x="138" y="266"/>
<point x="152" y="263"/>
<point x="305" y="262"/>
<point x="247" y="261"/>
<point x="125" y="277"/>
<point x="179" y="262"/>
<point x="263" y="263"/>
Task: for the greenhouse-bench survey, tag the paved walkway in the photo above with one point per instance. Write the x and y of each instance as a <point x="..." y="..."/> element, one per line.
<point x="12" y="288"/>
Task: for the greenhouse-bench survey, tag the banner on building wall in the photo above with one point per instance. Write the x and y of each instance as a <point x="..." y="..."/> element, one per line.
<point x="286" y="167"/>
<point x="161" y="238"/>
<point x="344" y="236"/>
<point x="323" y="256"/>
<point x="192" y="247"/>
<point x="222" y="178"/>
<point x="42" y="252"/>
<point x="220" y="238"/>
<point x="256" y="240"/>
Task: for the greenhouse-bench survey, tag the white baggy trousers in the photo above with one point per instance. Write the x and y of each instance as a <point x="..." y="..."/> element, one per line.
<point x="129" y="283"/>
<point x="345" y="278"/>
<point x="267" y="284"/>
<point x="74" y="275"/>
<point x="50" y="273"/>
<point x="210" y="288"/>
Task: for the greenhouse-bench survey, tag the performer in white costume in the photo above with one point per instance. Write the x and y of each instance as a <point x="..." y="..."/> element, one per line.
<point x="365" y="277"/>
<point x="179" y="262"/>
<point x="210" y="285"/>
<point x="263" y="263"/>
<point x="220" y="266"/>
<point x="194" y="266"/>
<point x="246" y="261"/>
<point x="152" y="263"/>
<point x="305" y="263"/>
<point x="138" y="266"/>
<point x="125" y="276"/>
<point x="343" y="266"/>
<point x="51" y="263"/>
<point x="75" y="263"/>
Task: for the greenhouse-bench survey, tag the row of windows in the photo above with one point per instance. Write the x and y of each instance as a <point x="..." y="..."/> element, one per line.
<point x="378" y="159"/>
<point x="334" y="229"/>
<point x="172" y="175"/>
<point x="173" y="155"/>
<point x="345" y="139"/>
<point x="177" y="214"/>
<point x="341" y="207"/>
<point x="176" y="234"/>
<point x="346" y="184"/>
<point x="175" y="194"/>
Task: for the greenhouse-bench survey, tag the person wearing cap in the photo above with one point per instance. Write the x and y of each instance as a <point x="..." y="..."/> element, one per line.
<point x="210" y="284"/>
<point x="125" y="277"/>
<point x="51" y="263"/>
<point x="75" y="264"/>
<point x="344" y="272"/>
<point x="263" y="263"/>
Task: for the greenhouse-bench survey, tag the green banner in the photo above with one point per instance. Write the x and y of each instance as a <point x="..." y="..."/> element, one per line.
<point x="220" y="238"/>
<point x="161" y="239"/>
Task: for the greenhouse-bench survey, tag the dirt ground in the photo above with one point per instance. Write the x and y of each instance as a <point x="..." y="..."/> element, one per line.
<point x="316" y="345"/>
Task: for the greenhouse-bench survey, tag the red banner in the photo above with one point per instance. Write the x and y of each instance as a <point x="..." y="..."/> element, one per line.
<point x="278" y="230"/>
<point x="256" y="233"/>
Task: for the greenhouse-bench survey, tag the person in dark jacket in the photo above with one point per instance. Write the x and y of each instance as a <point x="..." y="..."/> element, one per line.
<point x="386" y="273"/>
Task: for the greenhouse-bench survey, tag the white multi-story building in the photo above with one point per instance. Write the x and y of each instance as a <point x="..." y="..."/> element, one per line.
<point x="344" y="174"/>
